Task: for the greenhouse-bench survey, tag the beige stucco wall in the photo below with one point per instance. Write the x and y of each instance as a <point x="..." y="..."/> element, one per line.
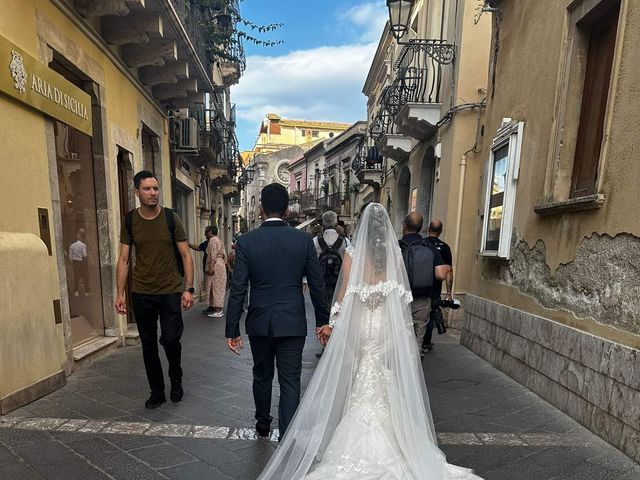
<point x="33" y="25"/>
<point x="31" y="346"/>
<point x="532" y="35"/>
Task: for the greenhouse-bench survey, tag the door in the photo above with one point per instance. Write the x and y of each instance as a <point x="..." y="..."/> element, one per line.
<point x="79" y="232"/>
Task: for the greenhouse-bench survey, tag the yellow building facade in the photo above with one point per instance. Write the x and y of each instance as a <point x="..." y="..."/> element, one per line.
<point x="85" y="105"/>
<point x="277" y="133"/>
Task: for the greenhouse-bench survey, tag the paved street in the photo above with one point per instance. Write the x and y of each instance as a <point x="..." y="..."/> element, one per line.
<point x="97" y="427"/>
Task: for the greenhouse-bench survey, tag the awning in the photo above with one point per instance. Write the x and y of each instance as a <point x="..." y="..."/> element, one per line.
<point x="306" y="223"/>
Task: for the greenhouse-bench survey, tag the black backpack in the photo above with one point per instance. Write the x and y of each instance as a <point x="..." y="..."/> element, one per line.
<point x="330" y="261"/>
<point x="171" y="225"/>
<point x="419" y="260"/>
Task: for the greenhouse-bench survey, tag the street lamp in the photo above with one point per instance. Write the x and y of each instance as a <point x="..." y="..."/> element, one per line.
<point x="250" y="171"/>
<point x="399" y="16"/>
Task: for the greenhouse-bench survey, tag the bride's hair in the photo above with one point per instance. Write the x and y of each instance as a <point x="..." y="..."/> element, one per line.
<point x="376" y="237"/>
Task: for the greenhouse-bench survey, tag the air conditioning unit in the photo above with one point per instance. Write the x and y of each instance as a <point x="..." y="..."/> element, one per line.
<point x="182" y="113"/>
<point x="187" y="133"/>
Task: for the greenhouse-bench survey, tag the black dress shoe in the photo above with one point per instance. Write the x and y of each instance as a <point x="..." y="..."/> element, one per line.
<point x="262" y="431"/>
<point x="176" y="391"/>
<point x="155" y="400"/>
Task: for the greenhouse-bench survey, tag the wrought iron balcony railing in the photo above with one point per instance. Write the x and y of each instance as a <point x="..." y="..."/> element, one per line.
<point x="332" y="201"/>
<point x="191" y="19"/>
<point x="419" y="70"/>
<point x="367" y="157"/>
<point x="418" y="80"/>
<point x="308" y="201"/>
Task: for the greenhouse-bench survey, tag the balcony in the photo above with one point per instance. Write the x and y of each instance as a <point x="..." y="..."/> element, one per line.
<point x="233" y="61"/>
<point x="383" y="129"/>
<point x="308" y="203"/>
<point x="167" y="44"/>
<point x="418" y="79"/>
<point x="332" y="201"/>
<point x="367" y="163"/>
<point x="219" y="150"/>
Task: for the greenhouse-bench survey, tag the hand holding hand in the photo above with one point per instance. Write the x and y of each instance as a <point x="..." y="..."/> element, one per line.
<point x="323" y="333"/>
<point x="235" y="345"/>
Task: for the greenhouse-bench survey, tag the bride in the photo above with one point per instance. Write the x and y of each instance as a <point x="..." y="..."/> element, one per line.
<point x="365" y="414"/>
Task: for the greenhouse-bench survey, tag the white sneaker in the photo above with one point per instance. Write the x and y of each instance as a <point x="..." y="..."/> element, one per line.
<point x="216" y="315"/>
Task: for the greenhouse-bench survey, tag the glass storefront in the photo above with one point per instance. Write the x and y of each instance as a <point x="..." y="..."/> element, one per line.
<point x="79" y="232"/>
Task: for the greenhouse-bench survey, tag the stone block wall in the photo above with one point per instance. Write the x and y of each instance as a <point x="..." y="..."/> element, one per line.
<point x="595" y="381"/>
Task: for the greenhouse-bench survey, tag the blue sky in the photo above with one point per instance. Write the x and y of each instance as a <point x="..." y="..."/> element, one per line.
<point x="319" y="71"/>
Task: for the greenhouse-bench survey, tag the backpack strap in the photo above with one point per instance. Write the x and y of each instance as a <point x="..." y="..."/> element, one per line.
<point x="171" y="223"/>
<point x="404" y="245"/>
<point x="171" y="226"/>
<point x="322" y="243"/>
<point x="336" y="245"/>
<point x="128" y="225"/>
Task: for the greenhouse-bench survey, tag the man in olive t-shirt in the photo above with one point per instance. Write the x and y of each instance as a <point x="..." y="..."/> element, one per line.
<point x="157" y="287"/>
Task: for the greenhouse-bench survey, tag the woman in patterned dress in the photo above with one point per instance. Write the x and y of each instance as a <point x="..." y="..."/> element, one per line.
<point x="216" y="274"/>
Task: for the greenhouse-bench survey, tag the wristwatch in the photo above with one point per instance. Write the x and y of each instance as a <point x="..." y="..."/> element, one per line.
<point x="191" y="290"/>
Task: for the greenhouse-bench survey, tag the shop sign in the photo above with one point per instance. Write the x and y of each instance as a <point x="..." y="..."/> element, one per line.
<point x="29" y="81"/>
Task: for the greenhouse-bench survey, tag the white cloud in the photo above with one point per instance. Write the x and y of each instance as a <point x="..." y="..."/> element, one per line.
<point x="323" y="83"/>
<point x="367" y="18"/>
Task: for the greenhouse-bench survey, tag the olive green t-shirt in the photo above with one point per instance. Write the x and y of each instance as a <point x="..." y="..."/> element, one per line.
<point x="155" y="269"/>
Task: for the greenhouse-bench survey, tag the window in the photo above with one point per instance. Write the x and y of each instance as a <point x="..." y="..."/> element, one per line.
<point x="500" y="189"/>
<point x="602" y="41"/>
<point x="315" y="133"/>
<point x="586" y="80"/>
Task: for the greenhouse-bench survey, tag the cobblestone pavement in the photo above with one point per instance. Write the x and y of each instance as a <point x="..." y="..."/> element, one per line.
<point x="97" y="427"/>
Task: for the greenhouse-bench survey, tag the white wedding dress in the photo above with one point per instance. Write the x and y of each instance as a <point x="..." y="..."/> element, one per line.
<point x="365" y="414"/>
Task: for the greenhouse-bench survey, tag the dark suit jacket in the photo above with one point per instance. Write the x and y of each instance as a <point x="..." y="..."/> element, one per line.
<point x="274" y="259"/>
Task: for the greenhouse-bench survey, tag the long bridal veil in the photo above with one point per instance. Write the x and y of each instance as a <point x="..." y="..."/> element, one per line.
<point x="373" y="279"/>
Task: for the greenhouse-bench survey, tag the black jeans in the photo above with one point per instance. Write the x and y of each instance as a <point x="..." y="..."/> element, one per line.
<point x="287" y="352"/>
<point x="147" y="308"/>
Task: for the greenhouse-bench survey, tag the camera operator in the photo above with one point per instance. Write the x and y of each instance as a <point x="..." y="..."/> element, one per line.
<point x="436" y="317"/>
<point x="425" y="270"/>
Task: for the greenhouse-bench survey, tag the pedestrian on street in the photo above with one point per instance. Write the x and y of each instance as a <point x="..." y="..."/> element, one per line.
<point x="216" y="274"/>
<point x="162" y="257"/>
<point x="330" y="247"/>
<point x="433" y="238"/>
<point x="424" y="267"/>
<point x="274" y="258"/>
<point x="202" y="247"/>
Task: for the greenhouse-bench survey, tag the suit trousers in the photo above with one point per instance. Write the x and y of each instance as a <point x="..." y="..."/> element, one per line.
<point x="287" y="353"/>
<point x="168" y="307"/>
<point x="421" y="311"/>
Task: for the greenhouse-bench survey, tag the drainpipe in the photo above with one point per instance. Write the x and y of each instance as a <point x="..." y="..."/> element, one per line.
<point x="463" y="170"/>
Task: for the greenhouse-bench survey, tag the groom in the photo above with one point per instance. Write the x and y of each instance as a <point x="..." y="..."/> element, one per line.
<point x="274" y="259"/>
